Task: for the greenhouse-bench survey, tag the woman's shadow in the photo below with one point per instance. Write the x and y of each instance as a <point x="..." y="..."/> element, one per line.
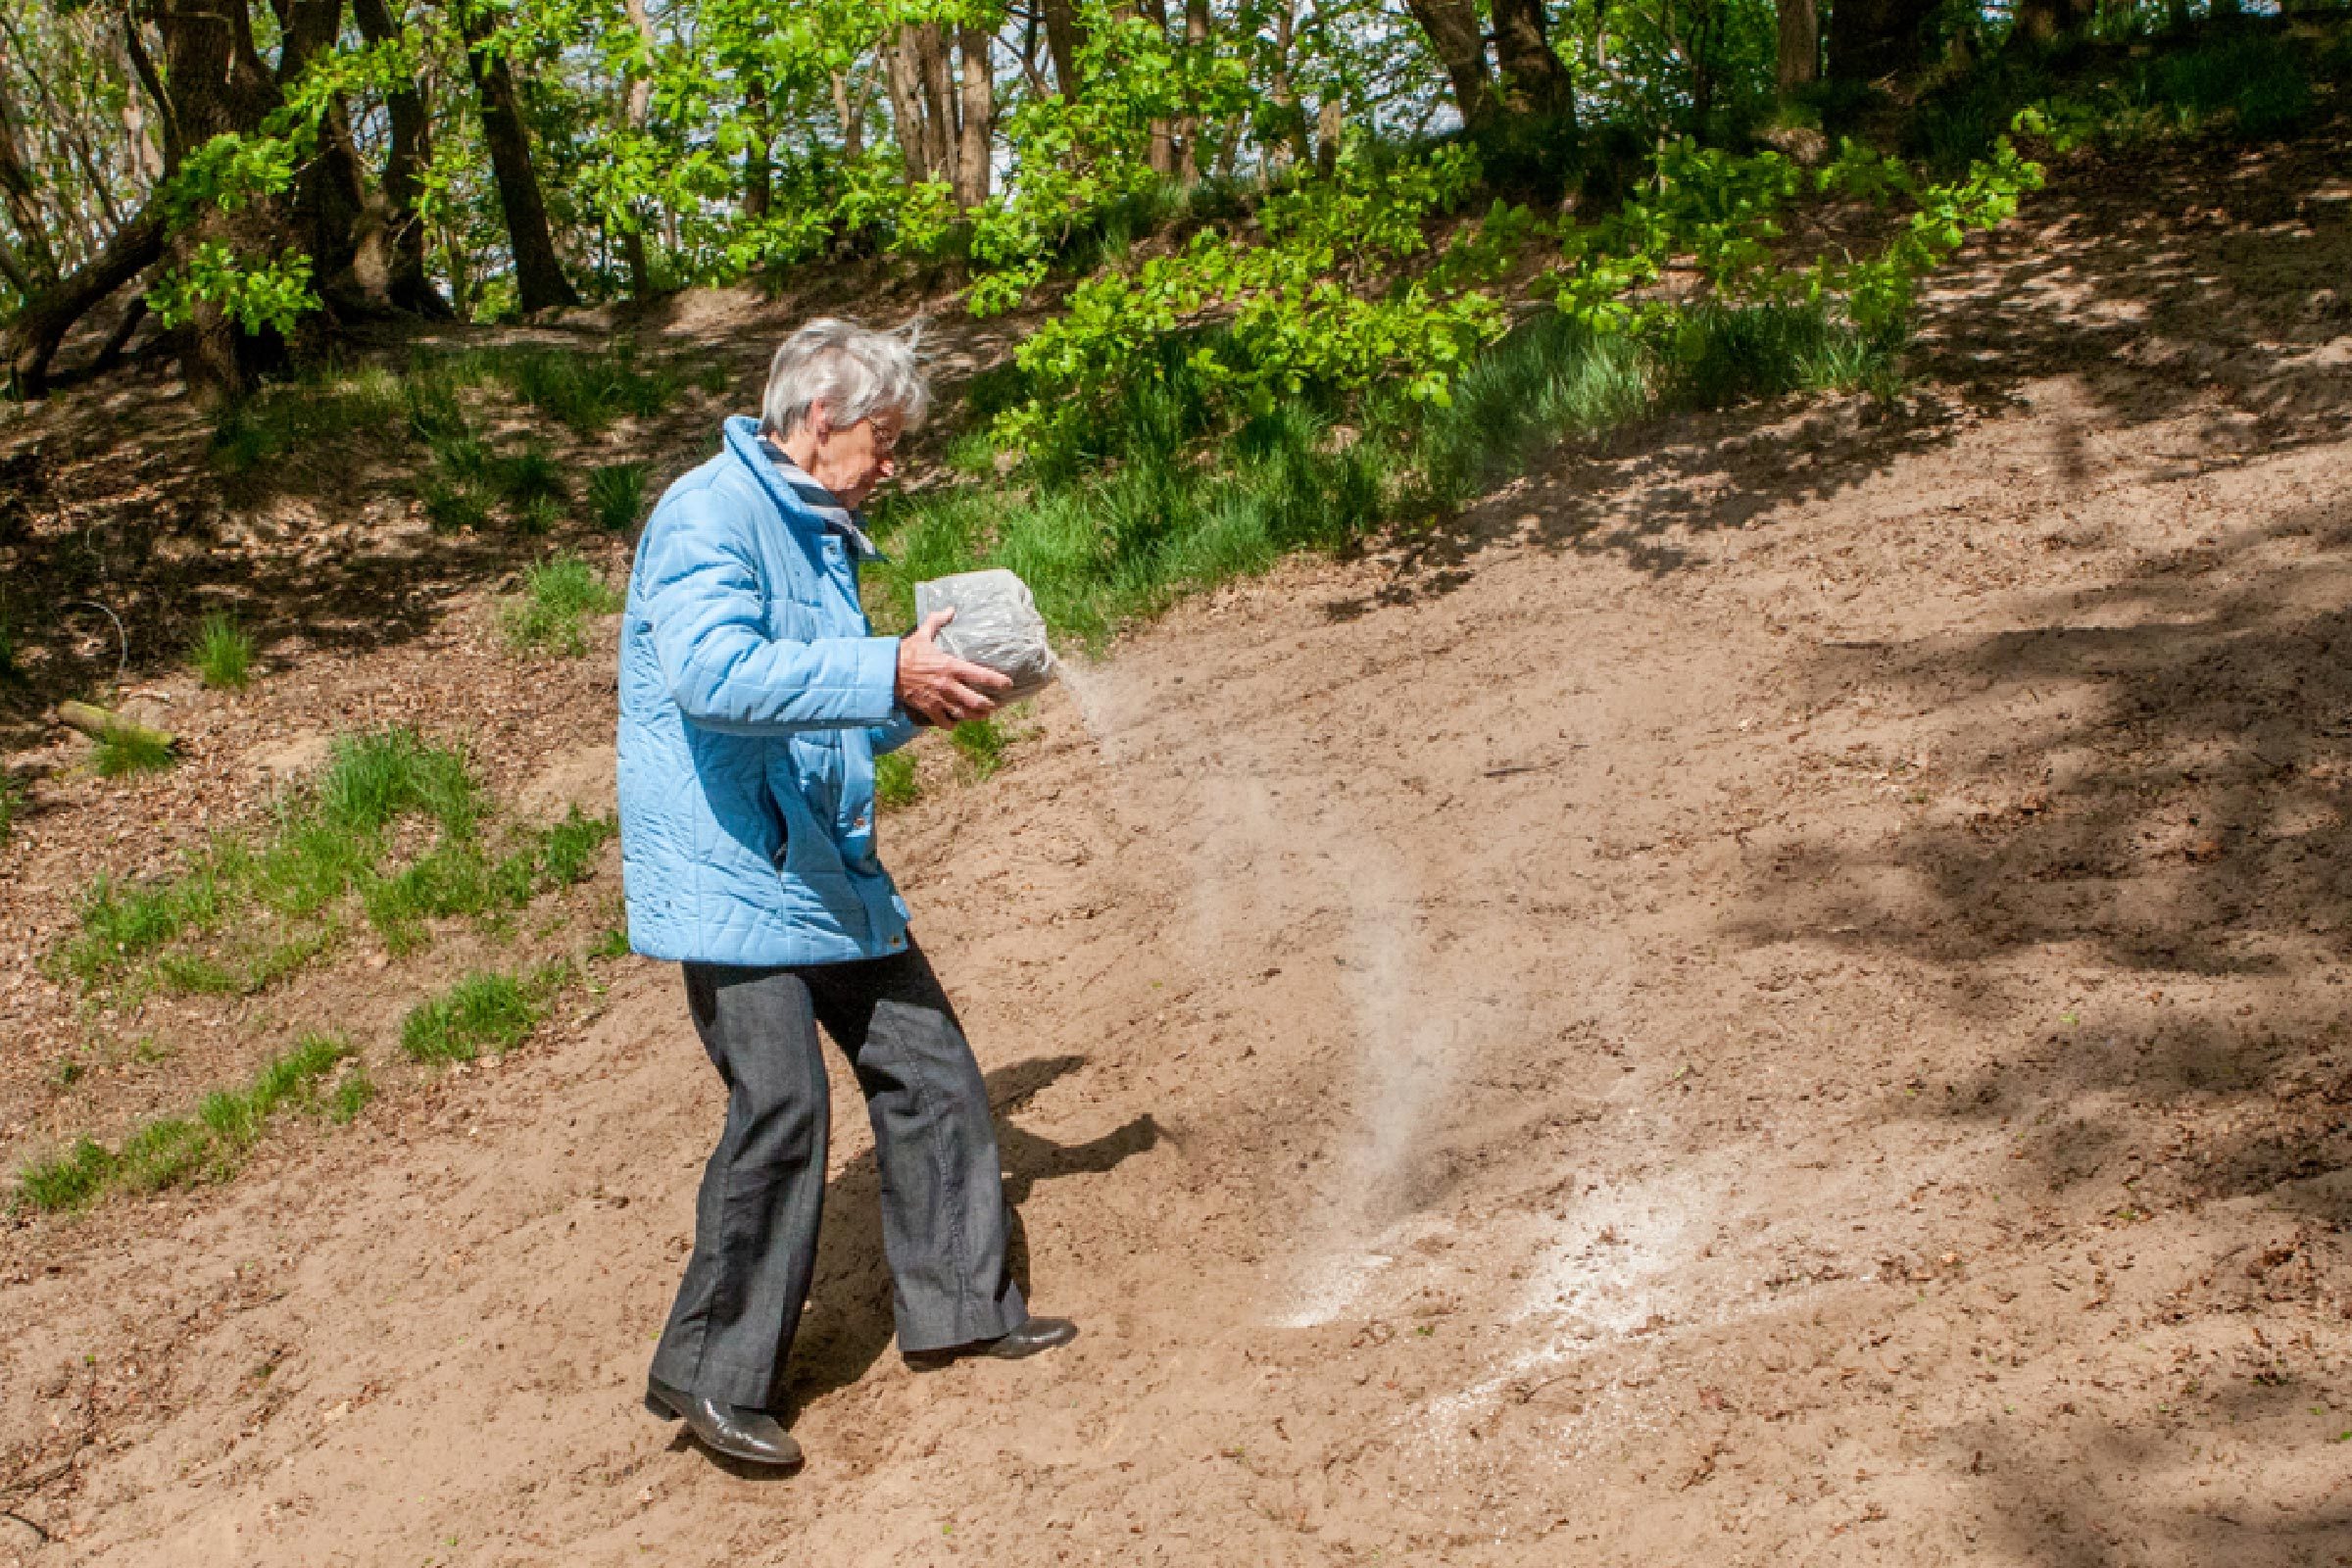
<point x="848" y="1325"/>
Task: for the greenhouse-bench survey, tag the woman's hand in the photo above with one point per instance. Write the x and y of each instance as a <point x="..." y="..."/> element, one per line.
<point x="940" y="688"/>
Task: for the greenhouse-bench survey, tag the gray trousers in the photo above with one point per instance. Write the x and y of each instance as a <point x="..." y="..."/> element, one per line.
<point x="763" y="1196"/>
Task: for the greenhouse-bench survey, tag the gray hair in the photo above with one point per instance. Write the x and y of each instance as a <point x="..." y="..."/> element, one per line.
<point x="852" y="370"/>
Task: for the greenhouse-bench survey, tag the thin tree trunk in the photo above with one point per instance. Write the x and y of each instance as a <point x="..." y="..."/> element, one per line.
<point x="939" y="102"/>
<point x="1535" y="81"/>
<point x="977" y="127"/>
<point x="637" y="110"/>
<point x="850" y="114"/>
<point x="758" y="166"/>
<point x="398" y="227"/>
<point x="1453" y="32"/>
<point x="1190" y="166"/>
<point x="24" y="204"/>
<point x="1800" y="45"/>
<point x="905" y="75"/>
<point x="1285" y="92"/>
<point x="539" y="280"/>
<point x="1161" y="152"/>
<point x="1065" y="35"/>
<point x="30" y="339"/>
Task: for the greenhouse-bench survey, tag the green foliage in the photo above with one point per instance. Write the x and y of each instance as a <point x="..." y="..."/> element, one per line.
<point x="557" y="596"/>
<point x="123" y="749"/>
<point x="2244" y="81"/>
<point x="223" y="651"/>
<point x="483" y="1009"/>
<point x="616" y="495"/>
<point x="171" y="1150"/>
<point x="1317" y="306"/>
<point x="587" y="392"/>
<point x="256" y="295"/>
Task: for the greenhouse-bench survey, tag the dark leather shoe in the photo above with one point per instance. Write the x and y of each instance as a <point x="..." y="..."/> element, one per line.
<point x="751" y="1435"/>
<point x="1033" y="1336"/>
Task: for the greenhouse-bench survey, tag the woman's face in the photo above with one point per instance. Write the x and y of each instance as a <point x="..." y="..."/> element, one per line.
<point x="852" y="461"/>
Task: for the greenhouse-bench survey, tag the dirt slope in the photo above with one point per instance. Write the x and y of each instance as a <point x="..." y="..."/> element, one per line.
<point x="1774" y="998"/>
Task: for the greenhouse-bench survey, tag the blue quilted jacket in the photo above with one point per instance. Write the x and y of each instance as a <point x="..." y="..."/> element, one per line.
<point x="754" y="699"/>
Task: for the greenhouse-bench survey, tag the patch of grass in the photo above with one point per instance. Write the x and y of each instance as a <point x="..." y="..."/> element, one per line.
<point x="222" y="653"/>
<point x="557" y="596"/>
<point x="351" y="1097"/>
<point x="982" y="743"/>
<point x="124" y="750"/>
<point x="616" y="495"/>
<point x="614" y="942"/>
<point x="483" y="1009"/>
<point x="319" y="412"/>
<point x="67" y="1180"/>
<point x="174" y="1150"/>
<point x="588" y="392"/>
<point x="1722" y="355"/>
<point x="371" y="779"/>
<point x="12" y="804"/>
<point x="896" y="785"/>
<point x="455" y="506"/>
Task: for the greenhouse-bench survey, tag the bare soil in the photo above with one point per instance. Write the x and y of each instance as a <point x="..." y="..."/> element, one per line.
<point x="1773" y="995"/>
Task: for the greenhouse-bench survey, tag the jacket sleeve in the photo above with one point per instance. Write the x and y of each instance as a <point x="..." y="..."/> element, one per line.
<point x="897" y="732"/>
<point x="699" y="595"/>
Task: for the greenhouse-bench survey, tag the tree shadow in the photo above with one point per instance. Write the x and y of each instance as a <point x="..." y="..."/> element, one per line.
<point x="847" y="1324"/>
<point x="2151" y="784"/>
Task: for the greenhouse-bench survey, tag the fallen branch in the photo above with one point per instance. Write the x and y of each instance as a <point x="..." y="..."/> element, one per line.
<point x="100" y="725"/>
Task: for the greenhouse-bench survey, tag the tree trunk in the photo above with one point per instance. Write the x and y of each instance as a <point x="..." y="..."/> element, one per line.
<point x="938" y="101"/>
<point x="24" y="203"/>
<point x="1800" y="45"/>
<point x="1453" y="32"/>
<point x="1161" y="154"/>
<point x="218" y="86"/>
<point x="1063" y="37"/>
<point x="1190" y="166"/>
<point x="30" y="339"/>
<point x="979" y="118"/>
<point x="904" y="75"/>
<point x="637" y="111"/>
<point x="758" y="166"/>
<point x="1534" y="81"/>
<point x="1285" y="92"/>
<point x="850" y="114"/>
<point x="539" y="281"/>
<point x="1872" y="40"/>
<point x="398" y="232"/>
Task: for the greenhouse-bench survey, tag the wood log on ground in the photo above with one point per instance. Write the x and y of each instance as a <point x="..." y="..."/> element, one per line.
<point x="100" y="723"/>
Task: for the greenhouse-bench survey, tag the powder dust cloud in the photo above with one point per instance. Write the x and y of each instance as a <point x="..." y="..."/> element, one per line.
<point x="1403" y="1010"/>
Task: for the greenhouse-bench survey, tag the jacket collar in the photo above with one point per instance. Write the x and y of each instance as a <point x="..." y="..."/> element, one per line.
<point x="806" y="505"/>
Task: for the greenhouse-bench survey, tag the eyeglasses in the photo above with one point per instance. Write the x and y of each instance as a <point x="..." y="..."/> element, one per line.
<point x="886" y="436"/>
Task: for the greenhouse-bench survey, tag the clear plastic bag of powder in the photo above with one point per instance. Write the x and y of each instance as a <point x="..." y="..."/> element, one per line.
<point x="996" y="624"/>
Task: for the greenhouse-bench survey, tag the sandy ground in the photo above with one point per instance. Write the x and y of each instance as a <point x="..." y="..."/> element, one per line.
<point x="1774" y="996"/>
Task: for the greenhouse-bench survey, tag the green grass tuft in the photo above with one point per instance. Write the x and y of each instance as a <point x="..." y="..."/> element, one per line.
<point x="616" y="495"/>
<point x="223" y="653"/>
<point x="483" y="1009"/>
<point x="896" y="784"/>
<point x="557" y="596"/>
<point x="982" y="743"/>
<point x="67" y="1180"/>
<point x="351" y="1097"/>
<point x="12" y="804"/>
<point x="122" y="750"/>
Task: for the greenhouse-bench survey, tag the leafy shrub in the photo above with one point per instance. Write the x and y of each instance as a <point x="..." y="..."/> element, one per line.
<point x="557" y="596"/>
<point x="223" y="651"/>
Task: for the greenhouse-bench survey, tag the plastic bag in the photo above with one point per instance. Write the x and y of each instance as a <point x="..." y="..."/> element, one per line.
<point x="996" y="624"/>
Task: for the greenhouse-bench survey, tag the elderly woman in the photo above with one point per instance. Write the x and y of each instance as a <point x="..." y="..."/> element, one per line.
<point x="754" y="700"/>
